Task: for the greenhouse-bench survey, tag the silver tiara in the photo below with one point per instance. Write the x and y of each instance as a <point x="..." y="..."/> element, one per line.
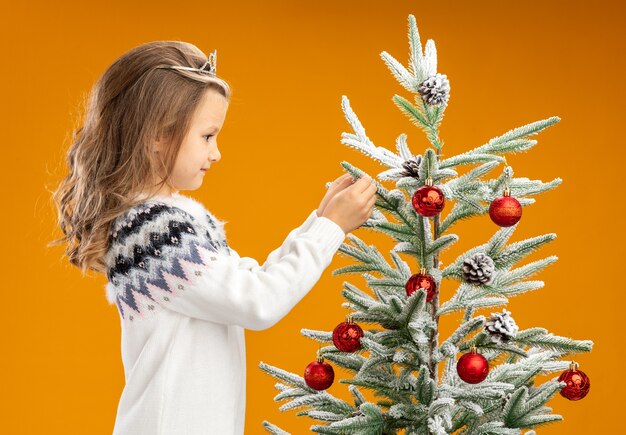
<point x="209" y="66"/>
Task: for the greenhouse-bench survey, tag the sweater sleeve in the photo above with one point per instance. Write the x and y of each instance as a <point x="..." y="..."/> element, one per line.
<point x="231" y="289"/>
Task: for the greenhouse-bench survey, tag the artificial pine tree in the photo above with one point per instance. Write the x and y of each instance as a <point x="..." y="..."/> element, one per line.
<point x="398" y="356"/>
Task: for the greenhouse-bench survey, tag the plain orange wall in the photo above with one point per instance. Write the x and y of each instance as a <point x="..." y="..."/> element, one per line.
<point x="289" y="63"/>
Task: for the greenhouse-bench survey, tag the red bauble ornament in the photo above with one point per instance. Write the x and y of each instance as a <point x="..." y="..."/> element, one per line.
<point x="577" y="383"/>
<point x="428" y="200"/>
<point x="319" y="375"/>
<point x="347" y="336"/>
<point x="421" y="280"/>
<point x="472" y="367"/>
<point x="505" y="210"/>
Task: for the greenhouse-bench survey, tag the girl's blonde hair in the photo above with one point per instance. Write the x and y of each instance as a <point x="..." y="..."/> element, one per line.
<point x="110" y="159"/>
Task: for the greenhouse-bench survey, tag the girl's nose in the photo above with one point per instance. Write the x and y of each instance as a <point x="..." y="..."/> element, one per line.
<point x="215" y="157"/>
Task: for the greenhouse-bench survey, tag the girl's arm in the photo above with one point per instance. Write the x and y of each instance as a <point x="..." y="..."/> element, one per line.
<point x="193" y="277"/>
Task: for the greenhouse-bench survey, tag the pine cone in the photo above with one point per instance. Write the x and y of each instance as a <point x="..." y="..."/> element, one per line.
<point x="411" y="167"/>
<point x="435" y="89"/>
<point x="501" y="327"/>
<point x="478" y="269"/>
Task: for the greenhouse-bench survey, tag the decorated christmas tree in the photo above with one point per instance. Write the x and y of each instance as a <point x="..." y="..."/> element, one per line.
<point x="390" y="339"/>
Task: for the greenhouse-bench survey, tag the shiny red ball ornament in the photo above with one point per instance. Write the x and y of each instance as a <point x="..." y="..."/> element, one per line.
<point x="319" y="375"/>
<point x="472" y="367"/>
<point x="577" y="383"/>
<point x="347" y="336"/>
<point x="505" y="210"/>
<point x="428" y="200"/>
<point x="421" y="280"/>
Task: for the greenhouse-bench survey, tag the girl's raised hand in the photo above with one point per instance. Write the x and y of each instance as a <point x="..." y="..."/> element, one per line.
<point x="338" y="185"/>
<point x="354" y="205"/>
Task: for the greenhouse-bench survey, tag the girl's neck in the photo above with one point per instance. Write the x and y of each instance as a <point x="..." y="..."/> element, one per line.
<point x="167" y="193"/>
<point x="165" y="190"/>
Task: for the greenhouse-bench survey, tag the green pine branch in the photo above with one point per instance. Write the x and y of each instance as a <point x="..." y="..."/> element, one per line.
<point x="428" y="119"/>
<point x="370" y="423"/>
<point x="523" y="410"/>
<point x="273" y="429"/>
<point x="541" y="338"/>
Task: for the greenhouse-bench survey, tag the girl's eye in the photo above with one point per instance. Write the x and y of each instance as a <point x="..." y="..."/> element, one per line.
<point x="207" y="136"/>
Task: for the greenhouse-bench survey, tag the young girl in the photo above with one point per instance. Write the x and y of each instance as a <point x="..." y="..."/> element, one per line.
<point x="183" y="295"/>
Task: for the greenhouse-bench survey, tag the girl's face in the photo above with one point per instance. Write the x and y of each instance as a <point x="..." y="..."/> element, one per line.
<point x="199" y="148"/>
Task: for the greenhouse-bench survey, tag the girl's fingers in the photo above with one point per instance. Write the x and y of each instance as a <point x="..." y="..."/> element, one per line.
<point x="367" y="183"/>
<point x="346" y="178"/>
<point x="341" y="179"/>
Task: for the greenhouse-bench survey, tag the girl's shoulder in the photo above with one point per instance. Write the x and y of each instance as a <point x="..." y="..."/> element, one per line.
<point x="145" y="214"/>
<point x="149" y="238"/>
<point x="201" y="215"/>
<point x="161" y="209"/>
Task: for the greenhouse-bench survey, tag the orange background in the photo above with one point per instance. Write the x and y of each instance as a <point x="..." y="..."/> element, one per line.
<point x="289" y="63"/>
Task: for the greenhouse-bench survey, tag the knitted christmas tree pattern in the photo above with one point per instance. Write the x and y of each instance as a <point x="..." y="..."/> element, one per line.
<point x="152" y="248"/>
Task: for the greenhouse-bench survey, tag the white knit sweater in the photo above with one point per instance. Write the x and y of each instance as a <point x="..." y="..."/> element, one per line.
<point x="184" y="298"/>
